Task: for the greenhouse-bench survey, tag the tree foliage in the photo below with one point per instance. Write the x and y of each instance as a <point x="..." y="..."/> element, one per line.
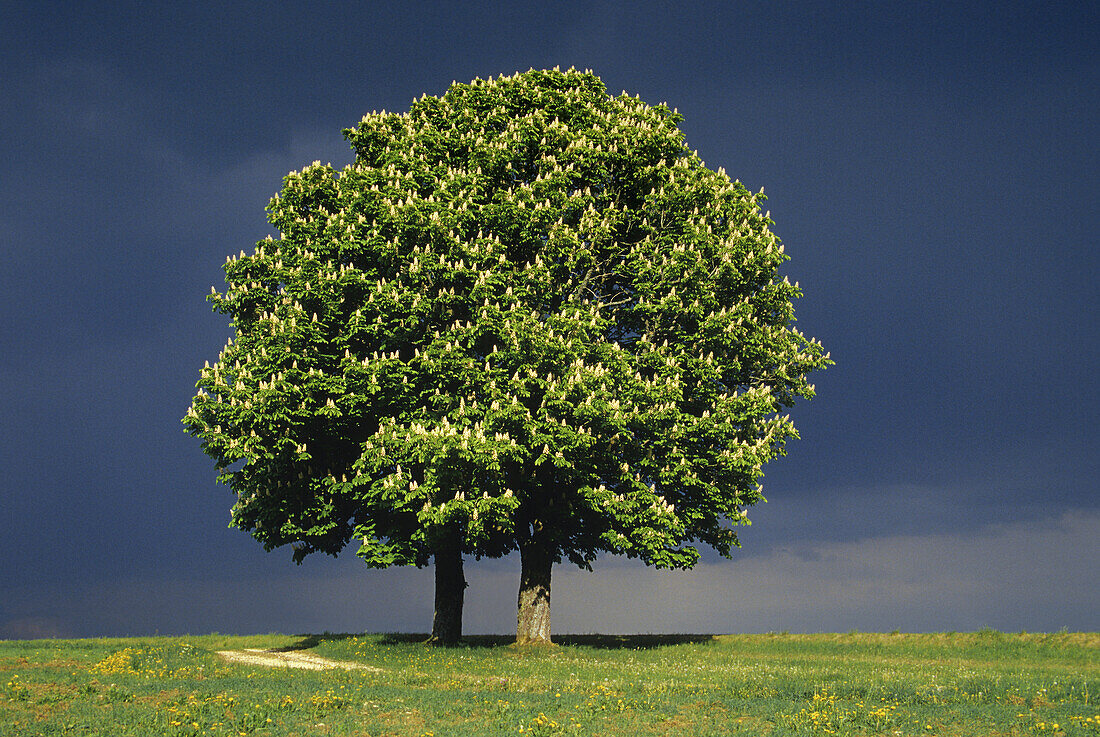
<point x="527" y="310"/>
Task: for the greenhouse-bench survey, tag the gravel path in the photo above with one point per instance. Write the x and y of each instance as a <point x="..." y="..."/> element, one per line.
<point x="290" y="659"/>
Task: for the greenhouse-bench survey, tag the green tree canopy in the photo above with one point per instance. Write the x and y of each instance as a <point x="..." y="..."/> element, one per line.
<point x="526" y="317"/>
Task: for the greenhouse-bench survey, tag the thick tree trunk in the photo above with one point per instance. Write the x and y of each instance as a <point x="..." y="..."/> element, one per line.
<point x="533" y="620"/>
<point x="450" y="587"/>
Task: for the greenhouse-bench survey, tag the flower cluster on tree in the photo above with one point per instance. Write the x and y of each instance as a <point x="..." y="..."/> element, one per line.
<point x="527" y="317"/>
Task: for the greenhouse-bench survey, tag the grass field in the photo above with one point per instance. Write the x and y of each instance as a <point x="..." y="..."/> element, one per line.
<point x="983" y="683"/>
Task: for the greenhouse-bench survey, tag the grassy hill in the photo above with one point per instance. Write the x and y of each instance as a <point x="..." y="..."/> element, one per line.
<point x="984" y="683"/>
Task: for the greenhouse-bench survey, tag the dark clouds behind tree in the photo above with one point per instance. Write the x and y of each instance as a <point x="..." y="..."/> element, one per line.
<point x="931" y="170"/>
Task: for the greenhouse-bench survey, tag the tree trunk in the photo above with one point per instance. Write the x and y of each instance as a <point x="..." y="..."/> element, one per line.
<point x="450" y="587"/>
<point x="533" y="620"/>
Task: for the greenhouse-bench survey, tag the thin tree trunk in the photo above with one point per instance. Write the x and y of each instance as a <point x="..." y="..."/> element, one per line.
<point x="533" y="619"/>
<point x="450" y="587"/>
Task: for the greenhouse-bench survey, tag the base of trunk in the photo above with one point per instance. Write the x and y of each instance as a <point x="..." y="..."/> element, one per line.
<point x="533" y="618"/>
<point x="450" y="587"/>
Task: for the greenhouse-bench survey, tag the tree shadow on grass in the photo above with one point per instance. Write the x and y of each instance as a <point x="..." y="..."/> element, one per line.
<point x="632" y="642"/>
<point x="603" y="642"/>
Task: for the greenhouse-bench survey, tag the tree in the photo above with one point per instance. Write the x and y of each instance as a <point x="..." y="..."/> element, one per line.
<point x="526" y="317"/>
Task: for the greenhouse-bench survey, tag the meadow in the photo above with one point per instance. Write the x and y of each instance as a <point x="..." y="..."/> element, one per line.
<point x="982" y="683"/>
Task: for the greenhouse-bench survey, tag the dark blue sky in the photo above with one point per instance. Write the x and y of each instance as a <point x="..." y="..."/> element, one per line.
<point x="931" y="167"/>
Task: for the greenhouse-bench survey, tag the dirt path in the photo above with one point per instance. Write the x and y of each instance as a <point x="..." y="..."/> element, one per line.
<point x="290" y="659"/>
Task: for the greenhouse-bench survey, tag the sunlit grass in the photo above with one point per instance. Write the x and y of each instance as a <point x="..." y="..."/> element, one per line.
<point x="846" y="684"/>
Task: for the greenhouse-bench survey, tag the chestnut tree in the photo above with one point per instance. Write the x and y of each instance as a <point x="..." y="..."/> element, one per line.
<point x="527" y="317"/>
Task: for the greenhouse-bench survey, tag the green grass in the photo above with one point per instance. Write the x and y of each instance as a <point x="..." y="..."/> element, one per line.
<point x="984" y="683"/>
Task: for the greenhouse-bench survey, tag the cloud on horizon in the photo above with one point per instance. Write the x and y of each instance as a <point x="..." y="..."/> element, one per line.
<point x="956" y="581"/>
